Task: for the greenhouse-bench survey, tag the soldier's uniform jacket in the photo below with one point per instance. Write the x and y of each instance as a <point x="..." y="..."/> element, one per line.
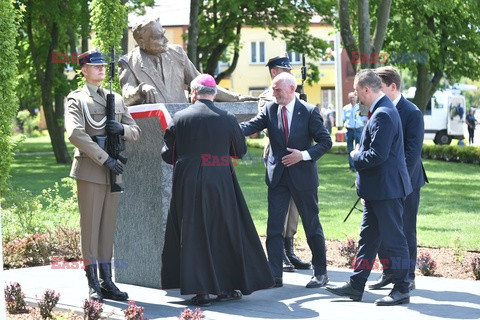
<point x="81" y="126"/>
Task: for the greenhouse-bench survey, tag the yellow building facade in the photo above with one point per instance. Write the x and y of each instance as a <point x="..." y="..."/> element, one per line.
<point x="251" y="76"/>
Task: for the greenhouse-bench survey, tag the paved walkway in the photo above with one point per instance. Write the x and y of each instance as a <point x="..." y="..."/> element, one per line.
<point x="434" y="298"/>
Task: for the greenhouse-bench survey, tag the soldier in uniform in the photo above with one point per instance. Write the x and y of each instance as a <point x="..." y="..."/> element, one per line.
<point x="85" y="119"/>
<point x="277" y="65"/>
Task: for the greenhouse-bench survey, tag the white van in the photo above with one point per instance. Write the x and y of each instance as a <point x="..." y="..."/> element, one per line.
<point x="444" y="116"/>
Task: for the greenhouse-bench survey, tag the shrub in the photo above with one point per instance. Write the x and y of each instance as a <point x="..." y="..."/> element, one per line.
<point x="188" y="314"/>
<point x="14" y="298"/>
<point x="47" y="303"/>
<point x="65" y="242"/>
<point x="23" y="213"/>
<point x="133" y="312"/>
<point x="476" y="267"/>
<point x="458" y="249"/>
<point x="92" y="309"/>
<point x="20" y="214"/>
<point x="32" y="250"/>
<point x="28" y="122"/>
<point x="36" y="250"/>
<point x="349" y="250"/>
<point x="426" y="264"/>
<point x="452" y="153"/>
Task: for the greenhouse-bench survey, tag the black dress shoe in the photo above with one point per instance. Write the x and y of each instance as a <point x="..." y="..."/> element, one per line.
<point x="278" y="282"/>
<point x="381" y="282"/>
<point x="394" y="297"/>
<point x="201" y="300"/>
<point x="232" y="295"/>
<point x="317" y="281"/>
<point x="346" y="291"/>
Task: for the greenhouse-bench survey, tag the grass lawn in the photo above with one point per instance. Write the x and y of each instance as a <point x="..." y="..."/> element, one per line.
<point x="39" y="171"/>
<point x="449" y="207"/>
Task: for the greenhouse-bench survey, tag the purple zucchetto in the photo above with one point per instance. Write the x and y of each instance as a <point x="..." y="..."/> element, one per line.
<point x="206" y="80"/>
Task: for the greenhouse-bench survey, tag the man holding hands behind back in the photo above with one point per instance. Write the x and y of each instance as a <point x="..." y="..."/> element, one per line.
<point x="291" y="172"/>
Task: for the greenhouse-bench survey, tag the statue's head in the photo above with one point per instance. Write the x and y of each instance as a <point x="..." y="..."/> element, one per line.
<point x="150" y="36"/>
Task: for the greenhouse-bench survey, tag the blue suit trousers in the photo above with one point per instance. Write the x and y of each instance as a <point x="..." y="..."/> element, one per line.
<point x="382" y="223"/>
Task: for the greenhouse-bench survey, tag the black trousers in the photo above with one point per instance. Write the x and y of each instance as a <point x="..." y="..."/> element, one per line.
<point x="307" y="204"/>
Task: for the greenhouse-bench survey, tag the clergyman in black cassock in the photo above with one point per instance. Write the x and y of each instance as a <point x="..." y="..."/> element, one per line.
<point x="211" y="244"/>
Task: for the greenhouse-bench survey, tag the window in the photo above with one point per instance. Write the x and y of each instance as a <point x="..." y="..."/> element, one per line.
<point x="257" y="52"/>
<point x="295" y="58"/>
<point x="328" y="96"/>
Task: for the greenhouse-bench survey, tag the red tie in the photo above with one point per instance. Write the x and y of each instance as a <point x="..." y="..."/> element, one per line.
<point x="369" y="115"/>
<point x="285" y="122"/>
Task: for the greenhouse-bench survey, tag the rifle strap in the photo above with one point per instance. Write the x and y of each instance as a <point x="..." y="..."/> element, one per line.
<point x="97" y="125"/>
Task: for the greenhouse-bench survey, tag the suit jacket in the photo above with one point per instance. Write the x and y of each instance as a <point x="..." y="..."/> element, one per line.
<point x="413" y="131"/>
<point x="381" y="168"/>
<point x="89" y="157"/>
<point x="306" y="127"/>
<point x="138" y="68"/>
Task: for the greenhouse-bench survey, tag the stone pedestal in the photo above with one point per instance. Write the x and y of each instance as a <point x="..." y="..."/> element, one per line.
<point x="144" y="205"/>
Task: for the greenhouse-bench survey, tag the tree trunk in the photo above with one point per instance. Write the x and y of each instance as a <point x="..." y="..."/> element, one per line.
<point x="364" y="33"/>
<point x="381" y="30"/>
<point x="348" y="39"/>
<point x="193" y="32"/>
<point x="425" y="87"/>
<point x="233" y="65"/>
<point x="45" y="78"/>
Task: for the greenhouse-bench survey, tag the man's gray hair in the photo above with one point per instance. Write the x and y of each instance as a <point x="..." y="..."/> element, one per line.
<point x="368" y="78"/>
<point x="286" y="78"/>
<point x="201" y="89"/>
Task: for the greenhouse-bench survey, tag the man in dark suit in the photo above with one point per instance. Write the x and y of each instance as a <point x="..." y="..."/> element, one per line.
<point x="383" y="182"/>
<point x="413" y="130"/>
<point x="277" y="65"/>
<point x="291" y="172"/>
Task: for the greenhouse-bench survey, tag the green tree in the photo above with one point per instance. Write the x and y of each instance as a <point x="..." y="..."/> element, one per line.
<point x="358" y="22"/>
<point x="47" y="42"/>
<point x="446" y="33"/>
<point x="109" y="20"/>
<point x="220" y="23"/>
<point x="8" y="76"/>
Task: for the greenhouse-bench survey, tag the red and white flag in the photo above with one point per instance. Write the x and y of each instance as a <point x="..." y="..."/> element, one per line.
<point x="152" y="110"/>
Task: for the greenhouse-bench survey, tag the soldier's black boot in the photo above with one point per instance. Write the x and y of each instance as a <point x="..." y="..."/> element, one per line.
<point x="94" y="291"/>
<point x="109" y="289"/>
<point x="299" y="264"/>
<point x="287" y="265"/>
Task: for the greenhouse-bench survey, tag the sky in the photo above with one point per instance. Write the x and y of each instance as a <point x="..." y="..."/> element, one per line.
<point x="170" y="12"/>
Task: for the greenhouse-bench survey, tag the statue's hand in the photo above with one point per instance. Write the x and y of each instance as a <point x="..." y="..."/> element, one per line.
<point x="242" y="98"/>
<point x="150" y="94"/>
